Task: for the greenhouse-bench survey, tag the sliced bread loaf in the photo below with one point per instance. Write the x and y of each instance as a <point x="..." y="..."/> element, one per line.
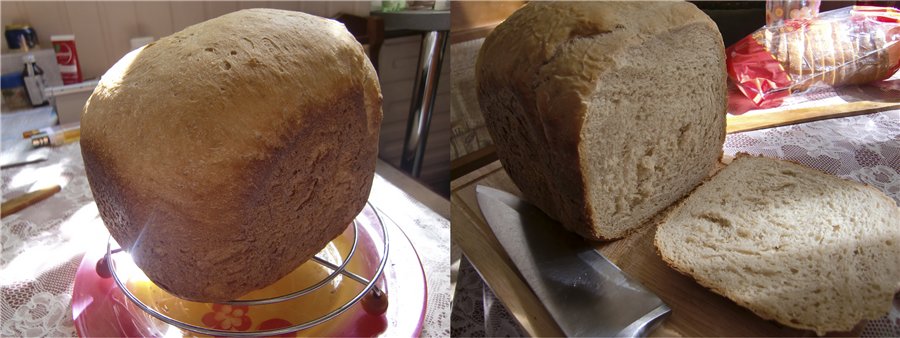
<point x="604" y="113"/>
<point x="790" y="243"/>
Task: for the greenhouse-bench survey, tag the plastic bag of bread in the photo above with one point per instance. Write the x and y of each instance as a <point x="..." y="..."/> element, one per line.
<point x="852" y="45"/>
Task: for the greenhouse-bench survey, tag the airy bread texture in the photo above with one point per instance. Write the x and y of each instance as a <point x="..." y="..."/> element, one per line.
<point x="227" y="154"/>
<point x="604" y="113"/>
<point x="807" y="249"/>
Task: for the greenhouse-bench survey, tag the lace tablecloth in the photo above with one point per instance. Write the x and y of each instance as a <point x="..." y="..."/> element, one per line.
<point x="863" y="148"/>
<point x="42" y="246"/>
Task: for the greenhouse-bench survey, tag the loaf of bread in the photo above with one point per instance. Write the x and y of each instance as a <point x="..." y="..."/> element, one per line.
<point x="227" y="154"/>
<point x="792" y="244"/>
<point x="839" y="48"/>
<point x="604" y="113"/>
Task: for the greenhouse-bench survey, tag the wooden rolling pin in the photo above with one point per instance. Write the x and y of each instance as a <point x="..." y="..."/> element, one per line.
<point x="26" y="200"/>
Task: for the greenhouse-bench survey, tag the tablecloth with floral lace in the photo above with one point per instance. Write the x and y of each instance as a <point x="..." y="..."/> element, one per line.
<point x="42" y="247"/>
<point x="863" y="148"/>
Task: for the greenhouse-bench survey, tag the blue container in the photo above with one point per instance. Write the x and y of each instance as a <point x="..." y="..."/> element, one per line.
<point x="16" y="34"/>
<point x="11" y="80"/>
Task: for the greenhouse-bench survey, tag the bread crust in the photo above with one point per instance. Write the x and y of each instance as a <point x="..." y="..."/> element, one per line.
<point x="534" y="83"/>
<point x="225" y="155"/>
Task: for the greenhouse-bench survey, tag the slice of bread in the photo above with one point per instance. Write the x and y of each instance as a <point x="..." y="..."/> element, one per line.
<point x="792" y="244"/>
<point x="604" y="113"/>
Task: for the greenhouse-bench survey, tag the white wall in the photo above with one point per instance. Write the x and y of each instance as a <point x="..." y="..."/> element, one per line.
<point x="103" y="30"/>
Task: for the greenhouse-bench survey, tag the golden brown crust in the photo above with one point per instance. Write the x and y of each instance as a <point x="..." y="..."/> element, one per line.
<point x="225" y="155"/>
<point x="508" y="73"/>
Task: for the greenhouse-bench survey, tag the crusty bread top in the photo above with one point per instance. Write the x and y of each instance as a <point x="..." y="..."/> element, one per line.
<point x="790" y="243"/>
<point x="536" y="74"/>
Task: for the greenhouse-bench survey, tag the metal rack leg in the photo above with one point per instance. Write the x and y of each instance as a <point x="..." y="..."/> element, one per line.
<point x="422" y="107"/>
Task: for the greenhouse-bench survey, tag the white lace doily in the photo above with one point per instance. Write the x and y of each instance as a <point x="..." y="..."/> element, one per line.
<point x="430" y="235"/>
<point x="863" y="148"/>
<point x="42" y="247"/>
<point x="39" y="259"/>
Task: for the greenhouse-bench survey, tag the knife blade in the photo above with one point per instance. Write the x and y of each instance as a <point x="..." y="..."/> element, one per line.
<point x="585" y="293"/>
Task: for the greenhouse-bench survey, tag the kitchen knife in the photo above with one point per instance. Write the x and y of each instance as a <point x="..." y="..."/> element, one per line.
<point x="586" y="294"/>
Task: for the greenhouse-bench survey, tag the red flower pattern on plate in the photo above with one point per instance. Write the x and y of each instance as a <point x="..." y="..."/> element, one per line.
<point x="228" y="317"/>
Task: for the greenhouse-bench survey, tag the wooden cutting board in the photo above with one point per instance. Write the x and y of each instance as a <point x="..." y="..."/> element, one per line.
<point x="696" y="311"/>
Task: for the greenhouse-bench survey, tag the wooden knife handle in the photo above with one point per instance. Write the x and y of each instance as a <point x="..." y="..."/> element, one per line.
<point x="26" y="200"/>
